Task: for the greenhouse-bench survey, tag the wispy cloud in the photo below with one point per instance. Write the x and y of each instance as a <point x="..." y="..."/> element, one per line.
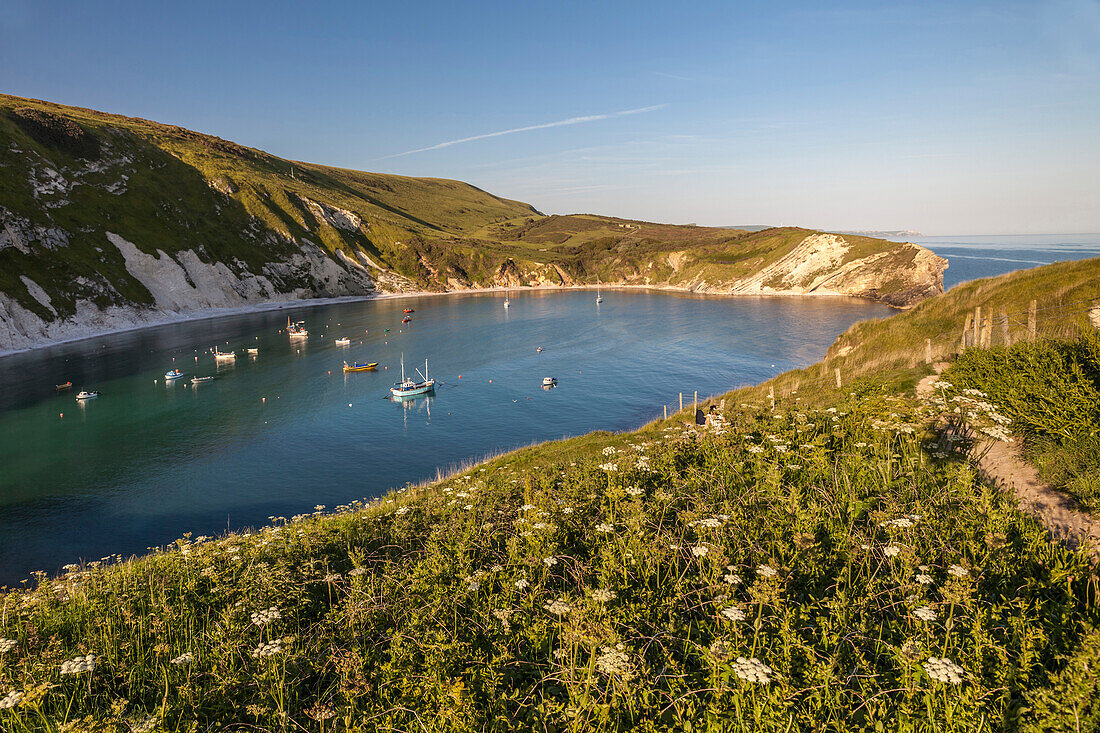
<point x="528" y="128"/>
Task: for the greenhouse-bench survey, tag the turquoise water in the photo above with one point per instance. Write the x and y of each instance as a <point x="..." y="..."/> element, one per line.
<point x="276" y="435"/>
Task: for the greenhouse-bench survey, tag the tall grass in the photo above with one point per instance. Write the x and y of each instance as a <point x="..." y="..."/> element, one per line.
<point x="794" y="569"/>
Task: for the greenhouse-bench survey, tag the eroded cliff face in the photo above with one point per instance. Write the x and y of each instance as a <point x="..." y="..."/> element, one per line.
<point x="823" y="264"/>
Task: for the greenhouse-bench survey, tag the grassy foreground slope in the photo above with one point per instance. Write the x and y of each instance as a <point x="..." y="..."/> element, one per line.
<point x="794" y="567"/>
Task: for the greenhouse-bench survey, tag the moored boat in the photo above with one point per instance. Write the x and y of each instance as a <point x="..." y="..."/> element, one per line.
<point x="549" y="381"/>
<point x="406" y="319"/>
<point x="296" y="330"/>
<point x="409" y="387"/>
<point x="82" y="395"/>
<point x="343" y="342"/>
<point x="358" y="367"/>
<point x="63" y="387"/>
<point x="252" y="352"/>
<point x="172" y="375"/>
<point x="201" y="380"/>
<point x="410" y="310"/>
<point x="224" y="355"/>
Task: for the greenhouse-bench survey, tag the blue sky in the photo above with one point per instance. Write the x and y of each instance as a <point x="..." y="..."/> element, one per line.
<point x="943" y="117"/>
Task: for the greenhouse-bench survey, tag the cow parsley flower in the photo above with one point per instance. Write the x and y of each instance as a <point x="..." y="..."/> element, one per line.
<point x="522" y="584"/>
<point x="700" y="550"/>
<point x="605" y="528"/>
<point x="185" y="658"/>
<point x="604" y="595"/>
<point x="6" y="645"/>
<point x="891" y="551"/>
<point x="550" y="561"/>
<point x="78" y="665"/>
<point x="266" y="616"/>
<point x="732" y="578"/>
<point x="943" y="670"/>
<point x="766" y="571"/>
<point x="925" y="613"/>
<point x="752" y="670"/>
<point x="958" y="571"/>
<point x="924" y="579"/>
<point x="733" y="613"/>
<point x="635" y="491"/>
<point x="558" y="607"/>
<point x="9" y="701"/>
<point x="616" y="662"/>
<point x="269" y="649"/>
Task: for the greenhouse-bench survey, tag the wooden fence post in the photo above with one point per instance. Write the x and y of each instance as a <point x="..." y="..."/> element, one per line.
<point x="1031" y="321"/>
<point x="837" y="372"/>
<point x="771" y="396"/>
<point x="966" y="332"/>
<point x="681" y="402"/>
<point x="666" y="411"/>
<point x="987" y="330"/>
<point x="928" y="351"/>
<point x="1005" y="338"/>
<point x="695" y="402"/>
<point x="977" y="340"/>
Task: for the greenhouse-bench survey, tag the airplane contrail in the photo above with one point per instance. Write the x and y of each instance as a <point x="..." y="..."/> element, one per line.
<point x="528" y="128"/>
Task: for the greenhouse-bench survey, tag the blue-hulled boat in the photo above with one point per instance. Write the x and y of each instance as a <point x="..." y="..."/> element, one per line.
<point x="409" y="387"/>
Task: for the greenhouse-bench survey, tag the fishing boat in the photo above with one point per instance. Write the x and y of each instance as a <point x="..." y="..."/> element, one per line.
<point x="82" y="395"/>
<point x="63" y="387"/>
<point x="296" y="330"/>
<point x="224" y="355"/>
<point x="409" y="387"/>
<point x="343" y="342"/>
<point x="410" y="310"/>
<point x="406" y="319"/>
<point x="599" y="298"/>
<point x="252" y="352"/>
<point x="172" y="375"/>
<point x="358" y="367"/>
<point x="549" y="381"/>
<point x="201" y="380"/>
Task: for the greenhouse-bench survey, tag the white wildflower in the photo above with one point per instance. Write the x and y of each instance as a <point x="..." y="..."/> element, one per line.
<point x="766" y="571"/>
<point x="756" y="449"/>
<point x="608" y="467"/>
<point x="550" y="561"/>
<point x="9" y="701"/>
<point x="616" y="662"/>
<point x="924" y="579"/>
<point x="943" y="670"/>
<point x="522" y="584"/>
<point x="958" y="571"/>
<point x="185" y="658"/>
<point x="356" y="572"/>
<point x="6" y="645"/>
<point x="635" y="491"/>
<point x="604" y="595"/>
<point x="266" y="616"/>
<point x="605" y="528"/>
<point x="558" y="607"/>
<point x="78" y="665"/>
<point x="268" y="650"/>
<point x="145" y="725"/>
<point x="733" y="613"/>
<point x="732" y="578"/>
<point x="700" y="550"/>
<point x="891" y="551"/>
<point x="925" y="613"/>
<point x="609" y="451"/>
<point x="752" y="670"/>
<point x="403" y="510"/>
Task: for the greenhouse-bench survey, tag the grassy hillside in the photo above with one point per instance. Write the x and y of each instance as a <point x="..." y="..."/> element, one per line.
<point x="68" y="176"/>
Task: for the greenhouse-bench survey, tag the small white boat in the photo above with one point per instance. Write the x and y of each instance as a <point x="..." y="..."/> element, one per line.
<point x="252" y="351"/>
<point x="224" y="355"/>
<point x="173" y="375"/>
<point x="343" y="342"/>
<point x="82" y="395"/>
<point x="409" y="387"/>
<point x="507" y="302"/>
<point x="599" y="298"/>
<point x="201" y="380"/>
<point x="549" y="381"/>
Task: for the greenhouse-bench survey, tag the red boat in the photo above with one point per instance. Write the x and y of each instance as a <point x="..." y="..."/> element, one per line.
<point x="63" y="387"/>
<point x="406" y="319"/>
<point x="409" y="310"/>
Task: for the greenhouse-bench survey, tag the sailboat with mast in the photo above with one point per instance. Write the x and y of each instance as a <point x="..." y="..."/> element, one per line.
<point x="507" y="302"/>
<point x="599" y="298"/>
<point x="409" y="387"/>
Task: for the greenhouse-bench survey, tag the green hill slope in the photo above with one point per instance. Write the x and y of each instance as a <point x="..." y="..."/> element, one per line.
<point x="109" y="221"/>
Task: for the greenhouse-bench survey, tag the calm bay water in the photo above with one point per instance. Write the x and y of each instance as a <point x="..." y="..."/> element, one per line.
<point x="276" y="435"/>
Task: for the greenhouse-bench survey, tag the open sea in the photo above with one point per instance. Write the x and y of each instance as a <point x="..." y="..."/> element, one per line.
<point x="277" y="434"/>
